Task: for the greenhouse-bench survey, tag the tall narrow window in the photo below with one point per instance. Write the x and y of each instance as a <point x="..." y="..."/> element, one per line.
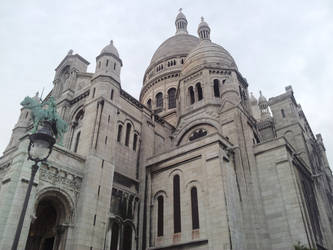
<point x="216" y="88"/>
<point x="114" y="66"/>
<point x="135" y="141"/>
<point x="199" y="91"/>
<point x="149" y="103"/>
<point x="191" y="94"/>
<point x="282" y="113"/>
<point x="159" y="100"/>
<point x="77" y="141"/>
<point x="195" y="210"/>
<point x="114" y="236"/>
<point x="99" y="64"/>
<point x="128" y="132"/>
<point x="172" y="98"/>
<point x="111" y="96"/>
<point x="120" y="128"/>
<point x="160" y="214"/>
<point x="127" y="243"/>
<point x="107" y="62"/>
<point x="176" y="204"/>
<point x="94" y="90"/>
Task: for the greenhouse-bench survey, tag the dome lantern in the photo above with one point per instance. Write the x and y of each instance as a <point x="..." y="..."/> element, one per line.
<point x="181" y="23"/>
<point x="204" y="30"/>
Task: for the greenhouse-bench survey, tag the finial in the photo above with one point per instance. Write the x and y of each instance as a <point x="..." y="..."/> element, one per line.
<point x="70" y="52"/>
<point x="111" y="42"/>
<point x="37" y="94"/>
<point x="180" y="9"/>
<point x="260" y="92"/>
<point x="202" y="19"/>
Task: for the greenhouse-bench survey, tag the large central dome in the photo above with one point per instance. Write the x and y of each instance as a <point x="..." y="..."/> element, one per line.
<point x="177" y="45"/>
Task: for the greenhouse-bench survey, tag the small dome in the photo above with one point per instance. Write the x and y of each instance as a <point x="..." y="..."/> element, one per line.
<point x="210" y="54"/>
<point x="180" y="15"/>
<point x="203" y="24"/>
<point x="262" y="99"/>
<point x="110" y="49"/>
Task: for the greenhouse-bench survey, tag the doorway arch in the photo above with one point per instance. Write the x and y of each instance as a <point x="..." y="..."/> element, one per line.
<point x="48" y="231"/>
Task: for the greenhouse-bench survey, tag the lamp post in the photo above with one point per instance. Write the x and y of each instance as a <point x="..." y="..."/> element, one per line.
<point x="40" y="148"/>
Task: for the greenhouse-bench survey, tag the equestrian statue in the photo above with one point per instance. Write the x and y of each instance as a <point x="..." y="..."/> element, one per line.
<point x="45" y="112"/>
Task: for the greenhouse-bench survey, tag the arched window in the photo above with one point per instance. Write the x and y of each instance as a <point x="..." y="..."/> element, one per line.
<point x="135" y="141"/>
<point x="114" y="236"/>
<point x="199" y="91"/>
<point x="159" y="100"/>
<point x="191" y="94"/>
<point x="195" y="210"/>
<point x="120" y="128"/>
<point x="99" y="64"/>
<point x="111" y="94"/>
<point x="160" y="215"/>
<point x="107" y="62"/>
<point x="176" y="204"/>
<point x="128" y="132"/>
<point x="216" y="88"/>
<point x="282" y="113"/>
<point x="77" y="141"/>
<point x="149" y="103"/>
<point x="172" y="98"/>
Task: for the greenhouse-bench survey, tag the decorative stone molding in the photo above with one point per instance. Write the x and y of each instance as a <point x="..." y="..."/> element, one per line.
<point x="55" y="175"/>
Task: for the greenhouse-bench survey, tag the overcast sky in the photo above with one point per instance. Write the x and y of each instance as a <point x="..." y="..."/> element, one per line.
<point x="274" y="43"/>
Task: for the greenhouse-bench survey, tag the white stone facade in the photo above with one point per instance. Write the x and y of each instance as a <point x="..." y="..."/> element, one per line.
<point x="195" y="163"/>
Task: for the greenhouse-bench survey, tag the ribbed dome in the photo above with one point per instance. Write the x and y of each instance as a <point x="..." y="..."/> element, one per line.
<point x="111" y="49"/>
<point x="210" y="54"/>
<point x="180" y="44"/>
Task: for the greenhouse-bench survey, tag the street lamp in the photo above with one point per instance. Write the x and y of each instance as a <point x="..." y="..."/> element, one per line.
<point x="40" y="148"/>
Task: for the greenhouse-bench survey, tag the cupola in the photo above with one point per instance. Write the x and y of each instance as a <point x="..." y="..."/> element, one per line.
<point x="263" y="106"/>
<point x="108" y="62"/>
<point x="204" y="30"/>
<point x="181" y="23"/>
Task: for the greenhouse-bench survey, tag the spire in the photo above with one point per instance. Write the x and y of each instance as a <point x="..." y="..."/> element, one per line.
<point x="181" y="23"/>
<point x="204" y="30"/>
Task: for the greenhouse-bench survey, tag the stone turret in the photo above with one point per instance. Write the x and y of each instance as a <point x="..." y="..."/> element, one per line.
<point x="108" y="62"/>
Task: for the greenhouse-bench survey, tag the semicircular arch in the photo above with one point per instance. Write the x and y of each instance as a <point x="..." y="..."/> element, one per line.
<point x="200" y="122"/>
